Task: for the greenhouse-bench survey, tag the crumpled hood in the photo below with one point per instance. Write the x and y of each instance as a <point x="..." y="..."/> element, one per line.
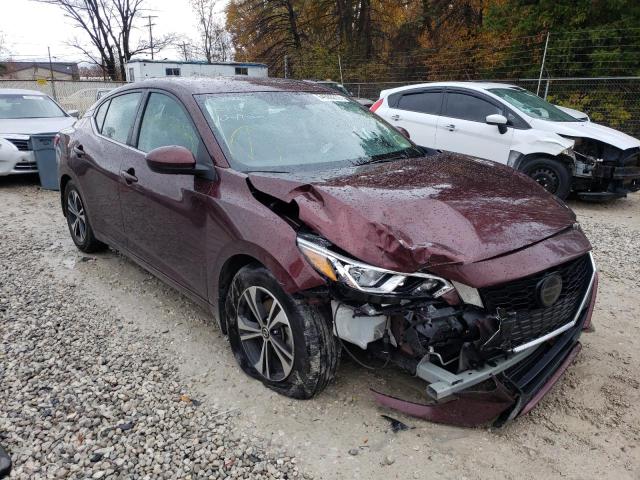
<point x="588" y="130"/>
<point x="31" y="126"/>
<point x="423" y="212"/>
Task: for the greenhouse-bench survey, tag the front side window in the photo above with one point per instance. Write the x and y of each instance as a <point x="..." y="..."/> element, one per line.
<point x="468" y="107"/>
<point x="422" y="102"/>
<point x="287" y="131"/>
<point x="120" y="117"/>
<point x="165" y="123"/>
<point x="28" y="106"/>
<point x="532" y="105"/>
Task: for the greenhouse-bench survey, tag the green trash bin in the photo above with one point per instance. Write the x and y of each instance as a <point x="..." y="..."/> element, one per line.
<point x="45" y="154"/>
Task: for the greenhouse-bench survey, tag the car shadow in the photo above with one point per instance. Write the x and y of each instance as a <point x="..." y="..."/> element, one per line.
<point x="28" y="179"/>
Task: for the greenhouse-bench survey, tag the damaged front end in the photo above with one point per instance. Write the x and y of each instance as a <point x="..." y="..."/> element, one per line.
<point x="602" y="171"/>
<point x="486" y="354"/>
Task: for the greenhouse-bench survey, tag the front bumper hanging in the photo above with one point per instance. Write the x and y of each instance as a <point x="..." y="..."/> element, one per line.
<point x="519" y="383"/>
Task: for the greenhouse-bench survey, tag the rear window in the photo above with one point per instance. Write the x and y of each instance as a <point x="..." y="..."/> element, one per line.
<point x="120" y="117"/>
<point x="468" y="107"/>
<point x="28" y="106"/>
<point x="422" y="102"/>
<point x="100" y="114"/>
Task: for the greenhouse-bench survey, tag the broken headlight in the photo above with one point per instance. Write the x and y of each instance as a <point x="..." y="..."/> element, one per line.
<point x="370" y="279"/>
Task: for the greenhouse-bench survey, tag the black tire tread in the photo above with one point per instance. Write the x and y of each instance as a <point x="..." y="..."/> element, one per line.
<point x="91" y="243"/>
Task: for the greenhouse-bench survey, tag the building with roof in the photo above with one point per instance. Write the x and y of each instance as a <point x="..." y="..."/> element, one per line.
<point x="39" y="70"/>
<point x="143" y="69"/>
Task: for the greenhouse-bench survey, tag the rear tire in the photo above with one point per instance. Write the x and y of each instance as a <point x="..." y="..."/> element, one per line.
<point x="551" y="175"/>
<point x="296" y="353"/>
<point x="78" y="221"/>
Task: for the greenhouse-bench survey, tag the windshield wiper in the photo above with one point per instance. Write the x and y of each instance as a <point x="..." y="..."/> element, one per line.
<point x="265" y="171"/>
<point x="390" y="157"/>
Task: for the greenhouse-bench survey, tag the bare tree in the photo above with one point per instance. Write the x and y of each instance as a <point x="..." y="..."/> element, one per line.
<point x="215" y="41"/>
<point x="108" y="24"/>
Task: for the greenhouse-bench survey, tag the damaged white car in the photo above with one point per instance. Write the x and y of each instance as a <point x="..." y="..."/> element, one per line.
<point x="513" y="126"/>
<point x="24" y="113"/>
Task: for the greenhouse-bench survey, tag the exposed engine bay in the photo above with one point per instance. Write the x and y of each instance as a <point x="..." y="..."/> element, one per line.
<point x="603" y="171"/>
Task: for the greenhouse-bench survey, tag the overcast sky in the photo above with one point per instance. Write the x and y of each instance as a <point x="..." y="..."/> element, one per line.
<point x="30" y="27"/>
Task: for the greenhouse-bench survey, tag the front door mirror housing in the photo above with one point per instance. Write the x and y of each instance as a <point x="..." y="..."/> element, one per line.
<point x="499" y="120"/>
<point x="73" y="113"/>
<point x="172" y="159"/>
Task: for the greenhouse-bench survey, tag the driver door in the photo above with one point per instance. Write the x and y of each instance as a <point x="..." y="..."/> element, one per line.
<point x="462" y="128"/>
<point x="164" y="215"/>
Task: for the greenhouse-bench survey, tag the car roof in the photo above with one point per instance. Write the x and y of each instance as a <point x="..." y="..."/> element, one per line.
<point x="478" y="86"/>
<point x="199" y="85"/>
<point x="20" y="91"/>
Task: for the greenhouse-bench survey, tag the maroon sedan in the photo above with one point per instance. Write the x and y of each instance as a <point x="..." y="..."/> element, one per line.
<point x="310" y="227"/>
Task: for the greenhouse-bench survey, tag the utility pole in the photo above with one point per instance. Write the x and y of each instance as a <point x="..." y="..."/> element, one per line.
<point x="544" y="57"/>
<point x="184" y="51"/>
<point x="53" y="82"/>
<point x="149" y="17"/>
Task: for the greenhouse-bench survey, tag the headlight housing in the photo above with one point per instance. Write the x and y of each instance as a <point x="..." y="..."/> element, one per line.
<point x="367" y="278"/>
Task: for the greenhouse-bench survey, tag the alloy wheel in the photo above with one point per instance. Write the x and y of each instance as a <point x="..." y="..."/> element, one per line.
<point x="265" y="333"/>
<point x="547" y="179"/>
<point x="76" y="216"/>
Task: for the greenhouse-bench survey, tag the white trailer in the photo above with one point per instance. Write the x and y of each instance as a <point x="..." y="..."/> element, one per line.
<point x="142" y="69"/>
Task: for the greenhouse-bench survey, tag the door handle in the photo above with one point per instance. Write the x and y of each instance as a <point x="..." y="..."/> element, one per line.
<point x="395" y="117"/>
<point x="129" y="176"/>
<point x="451" y="127"/>
<point x="78" y="150"/>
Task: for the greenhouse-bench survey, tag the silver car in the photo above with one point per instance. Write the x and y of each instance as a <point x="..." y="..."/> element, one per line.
<point x="24" y="113"/>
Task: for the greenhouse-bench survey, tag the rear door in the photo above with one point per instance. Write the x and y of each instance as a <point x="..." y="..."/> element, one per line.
<point x="417" y="111"/>
<point x="462" y="126"/>
<point x="164" y="215"/>
<point x="98" y="151"/>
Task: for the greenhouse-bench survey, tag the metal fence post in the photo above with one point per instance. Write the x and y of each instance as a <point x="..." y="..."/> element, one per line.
<point x="286" y="66"/>
<point x="544" y="57"/>
<point x="53" y="81"/>
<point x="340" y="67"/>
<point x="546" y="88"/>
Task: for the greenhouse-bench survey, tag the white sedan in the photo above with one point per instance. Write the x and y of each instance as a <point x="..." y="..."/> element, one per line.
<point x="24" y="113"/>
<point x="510" y="125"/>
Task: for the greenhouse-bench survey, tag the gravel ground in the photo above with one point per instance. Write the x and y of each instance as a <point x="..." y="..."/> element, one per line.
<point x="106" y="373"/>
<point x="86" y="394"/>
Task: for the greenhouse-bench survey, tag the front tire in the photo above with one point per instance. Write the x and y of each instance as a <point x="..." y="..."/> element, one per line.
<point x="551" y="175"/>
<point x="286" y="344"/>
<point x="78" y="221"/>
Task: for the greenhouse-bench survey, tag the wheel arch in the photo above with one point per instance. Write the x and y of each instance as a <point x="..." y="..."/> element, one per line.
<point x="64" y="180"/>
<point x="229" y="270"/>
<point x="522" y="161"/>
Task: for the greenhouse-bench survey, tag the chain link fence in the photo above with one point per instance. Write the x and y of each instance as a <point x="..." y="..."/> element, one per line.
<point x="611" y="101"/>
<point x="71" y="95"/>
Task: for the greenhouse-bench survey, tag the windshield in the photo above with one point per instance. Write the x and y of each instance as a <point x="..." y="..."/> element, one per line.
<point x="28" y="106"/>
<point x="532" y="105"/>
<point x="286" y="131"/>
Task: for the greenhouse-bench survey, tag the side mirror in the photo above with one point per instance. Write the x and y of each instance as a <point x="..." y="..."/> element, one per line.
<point x="404" y="132"/>
<point x="172" y="159"/>
<point x="499" y="120"/>
<point x="74" y="113"/>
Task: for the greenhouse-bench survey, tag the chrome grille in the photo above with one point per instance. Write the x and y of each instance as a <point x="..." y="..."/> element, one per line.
<point x="22" y="145"/>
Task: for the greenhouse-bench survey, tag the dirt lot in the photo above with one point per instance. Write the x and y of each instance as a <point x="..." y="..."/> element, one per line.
<point x="587" y="427"/>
